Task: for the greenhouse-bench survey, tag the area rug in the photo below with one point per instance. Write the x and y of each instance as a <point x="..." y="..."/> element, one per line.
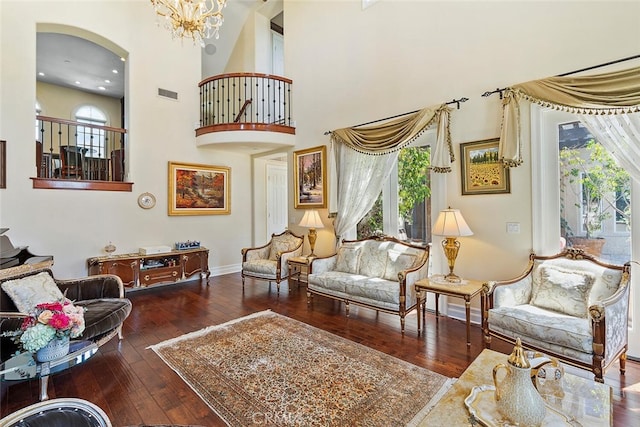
<point x="269" y="369"/>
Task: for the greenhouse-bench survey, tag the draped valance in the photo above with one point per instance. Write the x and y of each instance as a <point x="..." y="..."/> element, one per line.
<point x="393" y="135"/>
<point x="611" y="93"/>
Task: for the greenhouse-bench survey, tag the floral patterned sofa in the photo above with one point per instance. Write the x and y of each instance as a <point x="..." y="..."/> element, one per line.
<point x="569" y="305"/>
<point x="377" y="272"/>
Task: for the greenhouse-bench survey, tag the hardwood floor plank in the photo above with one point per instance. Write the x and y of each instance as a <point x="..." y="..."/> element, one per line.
<point x="133" y="386"/>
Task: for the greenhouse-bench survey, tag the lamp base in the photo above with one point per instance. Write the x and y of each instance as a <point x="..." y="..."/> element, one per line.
<point x="452" y="278"/>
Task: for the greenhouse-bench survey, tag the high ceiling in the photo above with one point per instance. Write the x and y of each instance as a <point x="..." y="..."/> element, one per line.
<point x="77" y="63"/>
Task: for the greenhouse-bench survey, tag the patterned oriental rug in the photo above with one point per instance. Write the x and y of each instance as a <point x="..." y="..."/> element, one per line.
<point x="268" y="369"/>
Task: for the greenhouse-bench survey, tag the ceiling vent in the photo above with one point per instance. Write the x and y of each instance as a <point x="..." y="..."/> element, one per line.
<point x="168" y="94"/>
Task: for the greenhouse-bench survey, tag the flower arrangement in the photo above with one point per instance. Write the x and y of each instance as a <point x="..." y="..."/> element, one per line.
<point x="48" y="321"/>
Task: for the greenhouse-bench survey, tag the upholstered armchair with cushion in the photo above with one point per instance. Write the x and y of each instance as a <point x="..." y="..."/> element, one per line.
<point x="102" y="296"/>
<point x="269" y="262"/>
<point x="569" y="305"/>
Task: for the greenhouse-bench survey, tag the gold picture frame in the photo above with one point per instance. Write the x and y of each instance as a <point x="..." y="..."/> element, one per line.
<point x="482" y="172"/>
<point x="196" y="189"/>
<point x="3" y="164"/>
<point x="310" y="178"/>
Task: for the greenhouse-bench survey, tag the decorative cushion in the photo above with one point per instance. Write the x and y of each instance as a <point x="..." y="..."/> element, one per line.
<point x="397" y="262"/>
<point x="262" y="266"/>
<point x="564" y="291"/>
<point x="30" y="291"/>
<point x="373" y="260"/>
<point x="348" y="260"/>
<point x="284" y="243"/>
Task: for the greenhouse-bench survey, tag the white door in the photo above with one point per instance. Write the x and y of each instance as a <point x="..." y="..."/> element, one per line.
<point x="277" y="54"/>
<point x="276" y="198"/>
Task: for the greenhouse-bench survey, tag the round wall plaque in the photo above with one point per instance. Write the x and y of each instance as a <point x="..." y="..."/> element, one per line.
<point x="147" y="200"/>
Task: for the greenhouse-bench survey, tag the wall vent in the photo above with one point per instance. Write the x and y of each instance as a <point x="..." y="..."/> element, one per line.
<point x="168" y="94"/>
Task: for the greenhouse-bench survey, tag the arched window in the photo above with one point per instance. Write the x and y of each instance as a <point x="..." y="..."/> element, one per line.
<point x="89" y="137"/>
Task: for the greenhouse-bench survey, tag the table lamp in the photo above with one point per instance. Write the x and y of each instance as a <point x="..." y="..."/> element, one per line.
<point x="451" y="224"/>
<point x="311" y="220"/>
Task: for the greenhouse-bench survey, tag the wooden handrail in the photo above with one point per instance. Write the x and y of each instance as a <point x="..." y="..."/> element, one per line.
<point x="74" y="123"/>
<point x="231" y="75"/>
<point x="244" y="107"/>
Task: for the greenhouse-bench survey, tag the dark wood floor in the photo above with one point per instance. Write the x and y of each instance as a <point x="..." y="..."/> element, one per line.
<point x="135" y="387"/>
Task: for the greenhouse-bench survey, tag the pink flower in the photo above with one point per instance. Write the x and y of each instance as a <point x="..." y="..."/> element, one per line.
<point x="59" y="321"/>
<point x="53" y="306"/>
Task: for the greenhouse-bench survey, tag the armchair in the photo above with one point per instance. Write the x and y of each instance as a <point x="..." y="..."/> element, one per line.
<point x="269" y="262"/>
<point x="570" y="306"/>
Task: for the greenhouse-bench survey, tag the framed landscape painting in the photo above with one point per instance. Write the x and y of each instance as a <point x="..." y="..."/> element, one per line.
<point x="310" y="175"/>
<point x="482" y="172"/>
<point x="199" y="189"/>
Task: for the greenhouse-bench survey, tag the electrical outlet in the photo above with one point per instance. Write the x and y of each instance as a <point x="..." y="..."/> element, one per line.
<point x="513" y="228"/>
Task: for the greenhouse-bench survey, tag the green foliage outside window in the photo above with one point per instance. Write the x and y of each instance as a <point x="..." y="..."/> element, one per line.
<point x="600" y="181"/>
<point x="413" y="175"/>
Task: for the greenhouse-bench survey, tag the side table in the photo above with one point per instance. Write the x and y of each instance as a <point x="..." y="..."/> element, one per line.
<point x="299" y="269"/>
<point x="466" y="289"/>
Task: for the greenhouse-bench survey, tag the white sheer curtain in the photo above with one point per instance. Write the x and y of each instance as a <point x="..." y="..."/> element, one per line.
<point x="361" y="178"/>
<point x="365" y="156"/>
<point x="620" y="135"/>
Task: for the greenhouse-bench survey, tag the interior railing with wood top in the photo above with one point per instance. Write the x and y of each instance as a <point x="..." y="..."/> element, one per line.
<point x="245" y="101"/>
<point x="69" y="151"/>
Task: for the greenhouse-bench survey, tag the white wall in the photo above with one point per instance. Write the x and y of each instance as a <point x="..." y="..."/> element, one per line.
<point x="351" y="66"/>
<point x="74" y="225"/>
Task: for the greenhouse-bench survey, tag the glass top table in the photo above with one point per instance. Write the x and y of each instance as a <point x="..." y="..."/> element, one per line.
<point x="23" y="366"/>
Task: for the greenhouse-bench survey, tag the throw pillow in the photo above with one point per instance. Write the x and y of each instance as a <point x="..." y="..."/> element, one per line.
<point x="397" y="262"/>
<point x="563" y="291"/>
<point x="30" y="291"/>
<point x="348" y="260"/>
<point x="278" y="244"/>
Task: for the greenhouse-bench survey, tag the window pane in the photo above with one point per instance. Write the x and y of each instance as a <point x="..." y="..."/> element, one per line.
<point x="410" y="204"/>
<point x="594" y="196"/>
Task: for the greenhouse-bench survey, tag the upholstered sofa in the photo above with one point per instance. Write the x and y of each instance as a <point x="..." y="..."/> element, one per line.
<point x="569" y="305"/>
<point x="102" y="296"/>
<point x="377" y="272"/>
<point x="269" y="262"/>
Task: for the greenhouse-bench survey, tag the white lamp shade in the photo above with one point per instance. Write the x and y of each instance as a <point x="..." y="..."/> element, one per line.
<point x="450" y="223"/>
<point x="311" y="219"/>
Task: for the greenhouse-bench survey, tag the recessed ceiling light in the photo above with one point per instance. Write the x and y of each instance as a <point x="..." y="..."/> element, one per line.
<point x="41" y="73"/>
<point x="122" y="59"/>
<point x="115" y="71"/>
<point x="101" y="88"/>
<point x="77" y="82"/>
<point x="107" y="81"/>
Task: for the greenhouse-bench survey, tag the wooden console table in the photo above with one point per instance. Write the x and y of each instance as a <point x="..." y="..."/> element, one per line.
<point x="137" y="270"/>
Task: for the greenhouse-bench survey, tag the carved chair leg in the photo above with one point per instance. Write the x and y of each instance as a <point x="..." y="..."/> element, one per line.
<point x="120" y="332"/>
<point x="346" y="303"/>
<point x="309" y="298"/>
<point x="402" y="324"/>
<point x="623" y="363"/>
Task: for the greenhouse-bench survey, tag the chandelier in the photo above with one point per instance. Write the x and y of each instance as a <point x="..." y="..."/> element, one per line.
<point x="191" y="18"/>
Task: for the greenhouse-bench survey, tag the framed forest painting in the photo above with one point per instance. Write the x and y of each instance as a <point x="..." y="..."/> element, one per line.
<point x="199" y="189"/>
<point x="482" y="172"/>
<point x="310" y="175"/>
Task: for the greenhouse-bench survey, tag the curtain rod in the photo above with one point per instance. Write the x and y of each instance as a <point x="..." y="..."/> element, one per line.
<point x="593" y="67"/>
<point x="453" y="101"/>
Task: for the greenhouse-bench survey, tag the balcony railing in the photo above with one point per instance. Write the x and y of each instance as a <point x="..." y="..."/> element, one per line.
<point x="72" y="154"/>
<point x="245" y="101"/>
